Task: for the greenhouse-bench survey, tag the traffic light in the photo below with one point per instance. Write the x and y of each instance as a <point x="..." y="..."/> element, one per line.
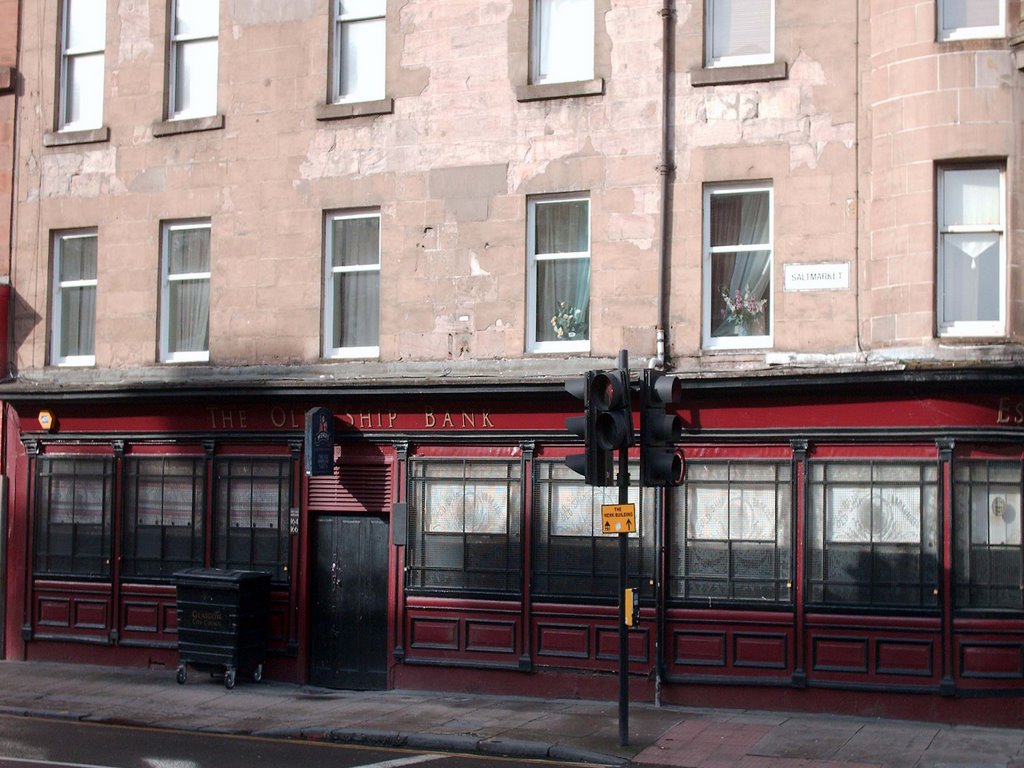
<point x="613" y="418"/>
<point x="586" y="463"/>
<point x="606" y="423"/>
<point x="660" y="464"/>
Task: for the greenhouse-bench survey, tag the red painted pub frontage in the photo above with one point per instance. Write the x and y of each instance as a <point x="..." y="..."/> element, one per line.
<point x="842" y="542"/>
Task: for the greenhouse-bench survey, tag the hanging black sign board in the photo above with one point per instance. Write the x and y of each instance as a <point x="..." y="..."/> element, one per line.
<point x="319" y="442"/>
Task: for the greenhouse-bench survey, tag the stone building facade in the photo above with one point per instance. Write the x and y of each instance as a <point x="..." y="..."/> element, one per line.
<point x="425" y="217"/>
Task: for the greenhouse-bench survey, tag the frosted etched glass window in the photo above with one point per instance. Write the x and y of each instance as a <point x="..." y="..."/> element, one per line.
<point x="465" y="525"/>
<point x="73" y="508"/>
<point x="988" y="565"/>
<point x="164" y="515"/>
<point x="571" y="556"/>
<point x="732" y="529"/>
<point x="253" y="499"/>
<point x="873" y="534"/>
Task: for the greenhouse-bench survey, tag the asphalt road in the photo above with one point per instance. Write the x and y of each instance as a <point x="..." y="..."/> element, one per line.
<point x="27" y="742"/>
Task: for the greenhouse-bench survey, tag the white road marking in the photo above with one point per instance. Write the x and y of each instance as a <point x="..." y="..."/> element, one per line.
<point x="401" y="761"/>
<point x="56" y="763"/>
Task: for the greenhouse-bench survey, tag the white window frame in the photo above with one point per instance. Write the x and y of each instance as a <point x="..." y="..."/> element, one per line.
<point x="166" y="355"/>
<point x="375" y="87"/>
<point x="533" y="345"/>
<point x="711" y="61"/>
<point x="59" y="286"/>
<point x="69" y="56"/>
<point x="583" y="48"/>
<point x="736" y="342"/>
<point x="178" y="44"/>
<point x="330" y="270"/>
<point x="952" y="328"/>
<point x="945" y="32"/>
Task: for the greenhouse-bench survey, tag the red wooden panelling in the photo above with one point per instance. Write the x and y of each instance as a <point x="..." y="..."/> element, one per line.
<point x="840" y="654"/>
<point x="565" y="640"/>
<point x="994" y="661"/>
<point x="875" y="650"/>
<point x="904" y="657"/>
<point x="91" y="614"/>
<point x="637" y="642"/>
<point x="434" y="633"/>
<point x="490" y="636"/>
<point x="148" y="616"/>
<point x="760" y="651"/>
<point x="141" y="617"/>
<point x="54" y="612"/>
<point x="699" y="648"/>
<point x="739" y="644"/>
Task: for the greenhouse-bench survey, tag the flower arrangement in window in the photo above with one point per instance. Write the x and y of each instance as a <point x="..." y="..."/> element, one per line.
<point x="743" y="310"/>
<point x="569" y="321"/>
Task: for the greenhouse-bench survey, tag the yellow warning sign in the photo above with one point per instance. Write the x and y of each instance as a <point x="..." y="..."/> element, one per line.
<point x="618" y="518"/>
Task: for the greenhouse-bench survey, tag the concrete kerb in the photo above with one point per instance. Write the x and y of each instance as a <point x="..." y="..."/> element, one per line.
<point x="442" y="742"/>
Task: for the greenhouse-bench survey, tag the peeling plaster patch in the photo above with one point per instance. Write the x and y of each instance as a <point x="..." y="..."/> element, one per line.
<point x="324" y="159"/>
<point x="227" y="204"/>
<point x="993" y="69"/>
<point x="474" y="266"/>
<point x="541" y="151"/>
<point x="248" y="12"/>
<point x="86" y="174"/>
<point x="768" y="113"/>
<point x="134" y="42"/>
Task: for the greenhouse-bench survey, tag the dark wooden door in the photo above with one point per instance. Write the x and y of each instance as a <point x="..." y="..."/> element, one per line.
<point x="348" y="637"/>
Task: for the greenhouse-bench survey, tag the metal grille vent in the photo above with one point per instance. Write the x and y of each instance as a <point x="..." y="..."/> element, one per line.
<point x="352" y="488"/>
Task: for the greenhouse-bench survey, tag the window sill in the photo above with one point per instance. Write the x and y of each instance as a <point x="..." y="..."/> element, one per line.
<point x="65" y="138"/>
<point x="185" y="358"/>
<point x="755" y="73"/>
<point x="972" y="337"/>
<point x="7" y="79"/>
<point x="544" y="91"/>
<point x="189" y="125"/>
<point x="739" y="344"/>
<point x="345" y="110"/>
<point x="559" y="348"/>
<point x="352" y="353"/>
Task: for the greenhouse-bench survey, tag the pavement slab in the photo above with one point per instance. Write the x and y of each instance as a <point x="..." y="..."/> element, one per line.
<point x="573" y="730"/>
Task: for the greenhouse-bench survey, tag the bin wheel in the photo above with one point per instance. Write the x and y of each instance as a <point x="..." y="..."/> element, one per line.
<point x="182" y="674"/>
<point x="257" y="673"/>
<point x="229" y="678"/>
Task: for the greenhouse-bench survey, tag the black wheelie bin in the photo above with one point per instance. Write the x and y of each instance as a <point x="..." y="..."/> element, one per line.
<point x="222" y="622"/>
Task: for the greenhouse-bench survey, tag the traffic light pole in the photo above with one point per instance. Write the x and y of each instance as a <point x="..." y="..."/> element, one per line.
<point x="623" y="574"/>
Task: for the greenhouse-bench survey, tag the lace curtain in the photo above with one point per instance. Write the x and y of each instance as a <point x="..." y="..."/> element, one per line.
<point x="739" y="269"/>
<point x="562" y="248"/>
<point x="189" y="276"/>
<point x="355" y="263"/>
